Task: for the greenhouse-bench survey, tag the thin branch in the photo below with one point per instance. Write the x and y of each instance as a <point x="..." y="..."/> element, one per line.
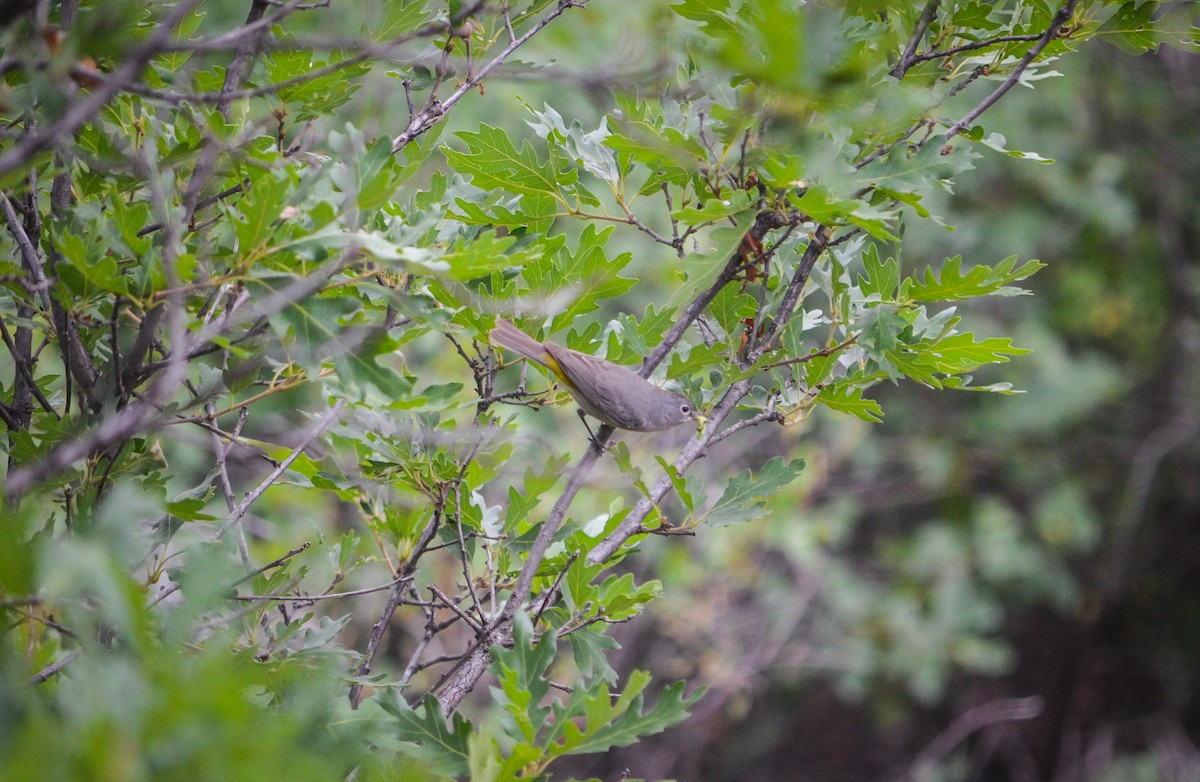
<point x="769" y="415"/>
<point x="239" y="511"/>
<point x="973" y="45"/>
<point x="512" y="36"/>
<point x="307" y="598"/>
<point x="462" y="551"/>
<point x="221" y="450"/>
<point x="272" y="564"/>
<point x="445" y="658"/>
<point x="207" y="201"/>
<point x="163" y="595"/>
<point x="554" y="587"/>
<point x="406" y="570"/>
<point x="1051" y="33"/>
<point x="26" y="374"/>
<point x="628" y="219"/>
<point x="1002" y="710"/>
<point x="44" y="620"/>
<point x="463" y="615"/>
<point x="51" y="670"/>
<point x="677" y="240"/>
<point x="1178" y="430"/>
<point x="822" y="353"/>
<point x="435" y="109"/>
<point x="885" y="150"/>
<point x="431" y="629"/>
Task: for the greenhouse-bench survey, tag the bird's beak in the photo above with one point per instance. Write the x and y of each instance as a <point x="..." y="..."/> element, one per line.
<point x="700" y="421"/>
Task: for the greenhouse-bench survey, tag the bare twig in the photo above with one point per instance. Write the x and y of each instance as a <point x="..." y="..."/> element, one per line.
<point x="1051" y="33"/>
<point x="221" y="448"/>
<point x="446" y="601"/>
<point x="51" y="670"/>
<point x="307" y="598"/>
<point x="971" y="46"/>
<point x="435" y="108"/>
<point x="406" y="571"/>
<point x="239" y="511"/>
<point x="1002" y="710"/>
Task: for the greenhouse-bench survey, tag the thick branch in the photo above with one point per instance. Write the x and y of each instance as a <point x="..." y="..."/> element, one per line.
<point x="817" y="243"/>
<point x="75" y="357"/>
<point x="923" y="22"/>
<point x="241" y="58"/>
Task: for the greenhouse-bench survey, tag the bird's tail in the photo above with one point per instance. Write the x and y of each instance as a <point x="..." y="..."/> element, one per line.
<point x="509" y="336"/>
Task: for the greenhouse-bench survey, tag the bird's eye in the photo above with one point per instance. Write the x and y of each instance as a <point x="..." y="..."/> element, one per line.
<point x="685" y="409"/>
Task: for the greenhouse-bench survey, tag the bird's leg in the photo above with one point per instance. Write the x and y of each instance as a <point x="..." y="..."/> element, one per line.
<point x="591" y="434"/>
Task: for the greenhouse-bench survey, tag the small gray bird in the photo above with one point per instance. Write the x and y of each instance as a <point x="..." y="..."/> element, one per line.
<point x="607" y="391"/>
